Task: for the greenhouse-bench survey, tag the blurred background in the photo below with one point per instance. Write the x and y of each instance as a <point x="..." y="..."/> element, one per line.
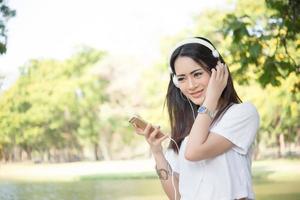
<point x="72" y="73"/>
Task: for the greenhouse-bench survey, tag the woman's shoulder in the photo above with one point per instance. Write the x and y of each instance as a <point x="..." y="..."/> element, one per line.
<point x="245" y="108"/>
<point x="248" y="106"/>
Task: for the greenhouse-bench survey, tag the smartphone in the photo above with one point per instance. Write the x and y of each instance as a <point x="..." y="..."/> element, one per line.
<point x="140" y="123"/>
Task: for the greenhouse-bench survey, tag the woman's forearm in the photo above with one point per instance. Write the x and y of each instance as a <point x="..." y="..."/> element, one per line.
<point x="199" y="133"/>
<point x="162" y="163"/>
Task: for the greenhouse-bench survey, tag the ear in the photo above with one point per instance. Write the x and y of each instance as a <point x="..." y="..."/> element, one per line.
<point x="175" y="80"/>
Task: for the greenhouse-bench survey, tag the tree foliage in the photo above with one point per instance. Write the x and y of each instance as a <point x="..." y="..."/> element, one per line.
<point x="43" y="110"/>
<point x="5" y="14"/>
<point x="68" y="110"/>
<point x="265" y="40"/>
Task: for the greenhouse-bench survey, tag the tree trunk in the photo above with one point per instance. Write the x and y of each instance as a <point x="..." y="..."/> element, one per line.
<point x="96" y="151"/>
<point x="20" y="152"/>
<point x="48" y="155"/>
<point x="1" y="154"/>
<point x="28" y="151"/>
<point x="17" y="153"/>
<point x="298" y="141"/>
<point x="280" y="144"/>
<point x="256" y="150"/>
<point x="104" y="148"/>
<point x="6" y="155"/>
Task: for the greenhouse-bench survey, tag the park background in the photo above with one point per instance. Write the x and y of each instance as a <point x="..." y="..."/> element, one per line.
<point x="73" y="73"/>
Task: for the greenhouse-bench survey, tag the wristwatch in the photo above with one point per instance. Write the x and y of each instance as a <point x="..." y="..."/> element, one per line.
<point x="204" y="110"/>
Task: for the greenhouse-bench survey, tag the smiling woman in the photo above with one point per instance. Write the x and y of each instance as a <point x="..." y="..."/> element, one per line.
<point x="209" y="156"/>
<point x="189" y="75"/>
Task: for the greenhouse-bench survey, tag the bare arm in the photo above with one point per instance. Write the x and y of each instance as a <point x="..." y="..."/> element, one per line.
<point x="162" y="163"/>
<point x="170" y="188"/>
<point x="202" y="145"/>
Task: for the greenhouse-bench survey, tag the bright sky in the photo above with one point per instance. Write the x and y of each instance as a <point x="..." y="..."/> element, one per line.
<point x="54" y="28"/>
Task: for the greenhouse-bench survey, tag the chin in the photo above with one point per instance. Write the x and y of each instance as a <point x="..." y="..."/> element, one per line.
<point x="199" y="101"/>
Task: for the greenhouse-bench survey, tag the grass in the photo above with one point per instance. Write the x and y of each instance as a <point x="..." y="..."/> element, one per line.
<point x="277" y="179"/>
<point x="117" y="176"/>
<point x="128" y="180"/>
<point x="276" y="170"/>
<point x="265" y="170"/>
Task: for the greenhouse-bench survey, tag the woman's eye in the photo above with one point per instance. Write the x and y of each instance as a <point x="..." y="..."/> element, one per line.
<point x="198" y="74"/>
<point x="180" y="79"/>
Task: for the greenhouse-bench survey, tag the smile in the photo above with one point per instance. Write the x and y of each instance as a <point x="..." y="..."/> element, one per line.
<point x="196" y="94"/>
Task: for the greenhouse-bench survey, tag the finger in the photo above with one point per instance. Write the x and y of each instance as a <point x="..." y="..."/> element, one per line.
<point x="153" y="134"/>
<point x="157" y="127"/>
<point x="226" y="73"/>
<point x="163" y="138"/>
<point x="213" y="74"/>
<point x="138" y="130"/>
<point x="217" y="71"/>
<point x="220" y="71"/>
<point x="146" y="131"/>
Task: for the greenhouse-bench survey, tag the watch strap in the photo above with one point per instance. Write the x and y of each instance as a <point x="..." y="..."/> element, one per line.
<point x="205" y="110"/>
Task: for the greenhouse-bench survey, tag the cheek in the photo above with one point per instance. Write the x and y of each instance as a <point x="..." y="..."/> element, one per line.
<point x="205" y="80"/>
<point x="183" y="91"/>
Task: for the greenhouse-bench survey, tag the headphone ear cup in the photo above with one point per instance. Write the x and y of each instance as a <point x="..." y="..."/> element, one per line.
<point x="175" y="81"/>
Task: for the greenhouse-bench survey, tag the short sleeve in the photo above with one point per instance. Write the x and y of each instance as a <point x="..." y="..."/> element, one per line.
<point x="172" y="159"/>
<point x="239" y="125"/>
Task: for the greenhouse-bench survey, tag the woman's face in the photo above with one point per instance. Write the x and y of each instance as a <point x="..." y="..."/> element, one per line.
<point x="192" y="79"/>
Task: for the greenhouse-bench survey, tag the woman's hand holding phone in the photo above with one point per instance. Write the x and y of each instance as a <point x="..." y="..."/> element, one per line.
<point x="154" y="138"/>
<point x="153" y="135"/>
<point x="140" y="125"/>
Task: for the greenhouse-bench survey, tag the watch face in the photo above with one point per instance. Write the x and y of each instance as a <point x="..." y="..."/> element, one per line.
<point x="201" y="109"/>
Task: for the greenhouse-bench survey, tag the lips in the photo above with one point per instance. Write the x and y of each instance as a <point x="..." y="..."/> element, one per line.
<point x="197" y="94"/>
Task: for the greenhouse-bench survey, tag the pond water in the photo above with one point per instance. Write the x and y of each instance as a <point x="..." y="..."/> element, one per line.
<point x="128" y="189"/>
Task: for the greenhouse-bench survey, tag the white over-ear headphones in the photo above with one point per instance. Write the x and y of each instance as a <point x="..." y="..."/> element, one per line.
<point x="174" y="78"/>
<point x="214" y="52"/>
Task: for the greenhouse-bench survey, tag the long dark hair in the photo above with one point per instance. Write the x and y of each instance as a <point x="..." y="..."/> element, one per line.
<point x="179" y="108"/>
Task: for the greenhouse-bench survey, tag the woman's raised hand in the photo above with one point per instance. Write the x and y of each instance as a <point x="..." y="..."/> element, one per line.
<point x="217" y="83"/>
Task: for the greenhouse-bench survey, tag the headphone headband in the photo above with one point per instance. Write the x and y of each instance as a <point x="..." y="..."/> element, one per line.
<point x="194" y="41"/>
<point x="190" y="41"/>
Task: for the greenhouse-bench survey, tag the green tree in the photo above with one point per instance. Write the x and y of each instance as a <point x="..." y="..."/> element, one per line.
<point x="60" y="110"/>
<point x="264" y="43"/>
<point x="40" y="112"/>
<point x="90" y="96"/>
<point x="5" y="14"/>
<point x="279" y="114"/>
<point x="265" y="40"/>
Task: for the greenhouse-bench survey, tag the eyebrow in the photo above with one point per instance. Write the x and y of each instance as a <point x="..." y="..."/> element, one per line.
<point x="192" y="72"/>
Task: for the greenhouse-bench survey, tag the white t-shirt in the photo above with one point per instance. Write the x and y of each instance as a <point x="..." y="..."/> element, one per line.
<point x="227" y="176"/>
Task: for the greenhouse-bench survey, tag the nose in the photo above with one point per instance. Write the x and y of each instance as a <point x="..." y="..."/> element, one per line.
<point x="191" y="83"/>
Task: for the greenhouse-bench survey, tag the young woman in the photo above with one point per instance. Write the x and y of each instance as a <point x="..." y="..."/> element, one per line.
<point x="209" y="156"/>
